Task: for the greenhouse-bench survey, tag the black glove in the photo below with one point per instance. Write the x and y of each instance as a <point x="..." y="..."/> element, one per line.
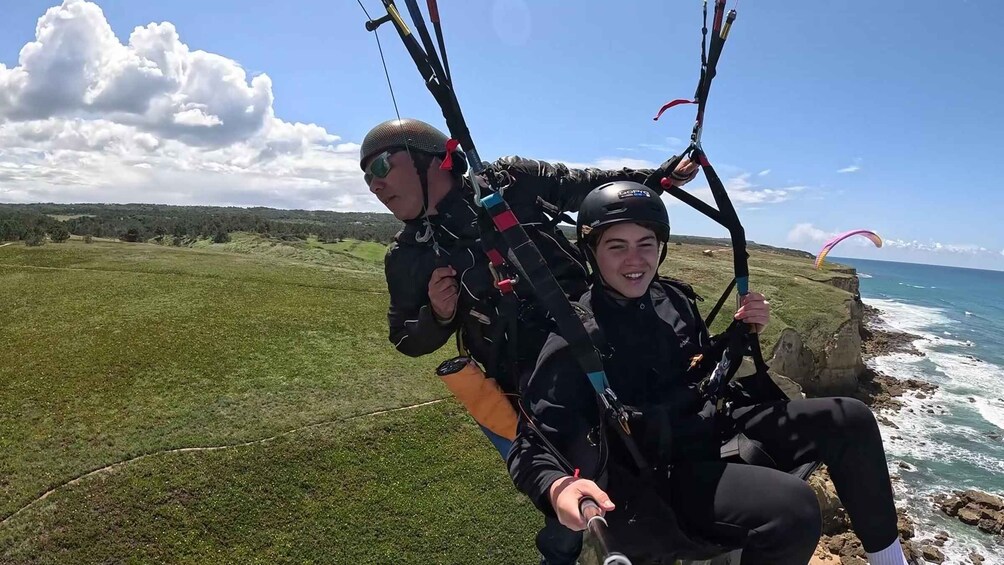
<point x="650" y="427"/>
<point x="668" y="169"/>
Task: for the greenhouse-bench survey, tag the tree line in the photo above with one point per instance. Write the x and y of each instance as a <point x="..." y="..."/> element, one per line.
<point x="35" y="223"/>
<point x="32" y="223"/>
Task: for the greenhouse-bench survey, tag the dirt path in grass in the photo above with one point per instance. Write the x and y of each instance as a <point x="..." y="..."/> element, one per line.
<point x="125" y="462"/>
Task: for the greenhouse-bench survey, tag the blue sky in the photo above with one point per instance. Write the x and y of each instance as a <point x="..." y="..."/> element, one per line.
<point x="825" y="116"/>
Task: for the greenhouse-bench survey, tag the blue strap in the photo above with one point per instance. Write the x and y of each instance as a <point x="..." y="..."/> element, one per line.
<point x="743" y="285"/>
<point x="491" y="200"/>
<point x="599" y="381"/>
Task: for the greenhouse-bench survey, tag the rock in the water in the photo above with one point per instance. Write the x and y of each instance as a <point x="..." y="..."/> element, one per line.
<point x="887" y="422"/>
<point x="932" y="554"/>
<point x="975" y="508"/>
<point x="912" y="552"/>
<point x="969" y="515"/>
<point x="880" y="391"/>
<point x="988" y="526"/>
<point x="976" y="558"/>
<point x="982" y="499"/>
<point x="878" y="340"/>
<point x="904" y="525"/>
<point x="949" y="504"/>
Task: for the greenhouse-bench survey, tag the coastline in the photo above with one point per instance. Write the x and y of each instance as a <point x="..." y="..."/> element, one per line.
<point x="905" y="398"/>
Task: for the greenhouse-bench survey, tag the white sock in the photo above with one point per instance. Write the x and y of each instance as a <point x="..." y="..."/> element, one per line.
<point x="892" y="555"/>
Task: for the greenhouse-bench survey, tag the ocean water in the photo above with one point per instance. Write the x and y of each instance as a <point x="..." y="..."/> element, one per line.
<point x="958" y="316"/>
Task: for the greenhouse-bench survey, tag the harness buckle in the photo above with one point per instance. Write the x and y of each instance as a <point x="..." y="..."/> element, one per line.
<point x="624" y="424"/>
<point x="506" y="285"/>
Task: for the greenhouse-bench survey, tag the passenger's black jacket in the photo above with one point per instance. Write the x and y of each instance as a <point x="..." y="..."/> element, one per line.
<point x="409" y="263"/>
<point x="649" y="345"/>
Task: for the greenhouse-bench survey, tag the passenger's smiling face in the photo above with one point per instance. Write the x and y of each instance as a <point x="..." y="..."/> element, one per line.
<point x="628" y="258"/>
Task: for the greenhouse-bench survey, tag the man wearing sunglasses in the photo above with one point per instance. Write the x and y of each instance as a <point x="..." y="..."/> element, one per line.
<point x="439" y="277"/>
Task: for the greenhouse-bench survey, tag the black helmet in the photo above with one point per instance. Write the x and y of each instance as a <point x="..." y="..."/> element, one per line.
<point x="622" y="201"/>
<point x="416" y="135"/>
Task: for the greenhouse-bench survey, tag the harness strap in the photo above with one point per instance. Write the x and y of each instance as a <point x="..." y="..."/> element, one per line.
<point x="555" y="214"/>
<point x="526" y="257"/>
<point x="748" y="451"/>
<point x="718" y="305"/>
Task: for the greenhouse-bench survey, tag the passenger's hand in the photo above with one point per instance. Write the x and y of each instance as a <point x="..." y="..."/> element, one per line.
<point x="677" y="169"/>
<point x="566" y="494"/>
<point x="443" y="293"/>
<point x="684" y="172"/>
<point x="755" y="310"/>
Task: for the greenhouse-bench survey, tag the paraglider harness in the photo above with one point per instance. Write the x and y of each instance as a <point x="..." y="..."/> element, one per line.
<point x="508" y="278"/>
<point x="501" y="230"/>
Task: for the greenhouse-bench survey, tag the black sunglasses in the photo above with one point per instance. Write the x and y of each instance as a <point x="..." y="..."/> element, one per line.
<point x="380" y="166"/>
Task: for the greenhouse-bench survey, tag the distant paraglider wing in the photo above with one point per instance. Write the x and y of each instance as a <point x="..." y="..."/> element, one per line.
<point x="874" y="237"/>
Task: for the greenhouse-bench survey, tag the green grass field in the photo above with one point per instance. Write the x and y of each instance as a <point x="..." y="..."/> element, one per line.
<point x="117" y="360"/>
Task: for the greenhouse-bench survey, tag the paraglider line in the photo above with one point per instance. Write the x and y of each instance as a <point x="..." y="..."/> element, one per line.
<point x="376" y="34"/>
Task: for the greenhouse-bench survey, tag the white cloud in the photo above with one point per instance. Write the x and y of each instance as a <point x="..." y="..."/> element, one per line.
<point x="933" y="252"/>
<point x="196" y="117"/>
<point x="806" y="233"/>
<point x="669" y="146"/>
<point x="741" y="191"/>
<point x="763" y="173"/>
<point x="84" y="117"/>
<point x="938" y="247"/>
<point x="852" y="168"/>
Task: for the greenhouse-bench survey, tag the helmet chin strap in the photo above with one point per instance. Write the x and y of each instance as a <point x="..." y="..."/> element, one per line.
<point x="422" y="162"/>
<point x="594" y="267"/>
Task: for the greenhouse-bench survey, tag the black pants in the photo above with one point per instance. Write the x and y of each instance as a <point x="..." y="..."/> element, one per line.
<point x="557" y="544"/>
<point x="772" y="515"/>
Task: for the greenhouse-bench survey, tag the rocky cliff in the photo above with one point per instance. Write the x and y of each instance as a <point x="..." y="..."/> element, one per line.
<point x="831" y="367"/>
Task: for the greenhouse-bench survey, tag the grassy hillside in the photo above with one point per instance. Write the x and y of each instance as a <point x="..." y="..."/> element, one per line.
<point x="791" y="284"/>
<point x="274" y="358"/>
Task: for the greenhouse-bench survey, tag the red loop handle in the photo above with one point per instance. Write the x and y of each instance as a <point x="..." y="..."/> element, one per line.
<point x="451" y="146"/>
<point x="669" y="105"/>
